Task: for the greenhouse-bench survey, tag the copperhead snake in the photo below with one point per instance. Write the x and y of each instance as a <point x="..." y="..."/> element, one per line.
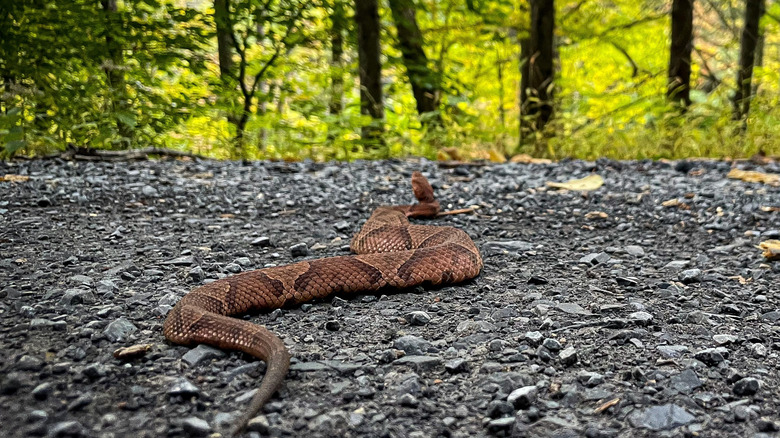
<point x="390" y="252"/>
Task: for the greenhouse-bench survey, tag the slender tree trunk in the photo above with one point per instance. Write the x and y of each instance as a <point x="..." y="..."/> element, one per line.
<point x="367" y="17"/>
<point x="114" y="73"/>
<point x="227" y="74"/>
<point x="224" y="40"/>
<point x="754" y="9"/>
<point x="425" y="84"/>
<point x="679" y="84"/>
<point x="338" y="26"/>
<point x="525" y="73"/>
<point x="538" y="94"/>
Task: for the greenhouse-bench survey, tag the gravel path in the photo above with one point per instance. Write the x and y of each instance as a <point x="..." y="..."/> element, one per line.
<point x="646" y="320"/>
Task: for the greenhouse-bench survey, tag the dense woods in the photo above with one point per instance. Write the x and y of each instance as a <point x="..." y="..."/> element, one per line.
<point x="338" y="79"/>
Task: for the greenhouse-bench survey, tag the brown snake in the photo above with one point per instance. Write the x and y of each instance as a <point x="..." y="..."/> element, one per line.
<point x="391" y="252"/>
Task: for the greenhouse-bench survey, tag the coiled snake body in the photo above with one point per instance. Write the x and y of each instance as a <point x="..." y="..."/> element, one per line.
<point x="390" y="252"/>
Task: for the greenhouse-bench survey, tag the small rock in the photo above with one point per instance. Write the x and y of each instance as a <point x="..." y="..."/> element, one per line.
<point x="299" y="250"/>
<point x="201" y="353"/>
<point x="80" y="402"/>
<point x="672" y="351"/>
<point x="522" y="398"/>
<point x="634" y="250"/>
<point x="342" y="226"/>
<point x="412" y="345"/>
<point x="262" y="242"/>
<point x="568" y="356"/>
<point x="456" y="366"/>
<point x="595" y="258"/>
<point x="119" y="329"/>
<point x="184" y="388"/>
<point x="552" y="344"/>
<point x="677" y="264"/>
<point x="69" y="429"/>
<point x="534" y="338"/>
<point x="408" y="400"/>
<point x="197" y="274"/>
<point x="500" y="424"/>
<point x="724" y="339"/>
<point x="689" y="276"/>
<point x="537" y="280"/>
<point x="43" y="391"/>
<point x="712" y="356"/>
<point x="259" y="424"/>
<point x="194" y="426"/>
<point x="11" y="383"/>
<point x="498" y="408"/>
<point x="418" y="318"/>
<point x="149" y="191"/>
<point x="332" y="326"/>
<point x="627" y="281"/>
<point x="746" y="387"/>
<point x="662" y="417"/>
<point x="641" y="318"/>
<point x="187" y="260"/>
<point x="685" y="382"/>
<point x="29" y="363"/>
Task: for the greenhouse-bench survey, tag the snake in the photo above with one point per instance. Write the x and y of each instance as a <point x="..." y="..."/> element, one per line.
<point x="389" y="252"/>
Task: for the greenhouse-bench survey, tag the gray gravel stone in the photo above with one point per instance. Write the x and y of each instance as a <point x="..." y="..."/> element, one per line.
<point x="183" y="387"/>
<point x="522" y="398"/>
<point x="119" y="330"/>
<point x="412" y="345"/>
<point x="664" y="417"/>
<point x="746" y="387"/>
<point x="299" y="250"/>
<point x="195" y="426"/>
<point x="689" y="276"/>
<point x="201" y="353"/>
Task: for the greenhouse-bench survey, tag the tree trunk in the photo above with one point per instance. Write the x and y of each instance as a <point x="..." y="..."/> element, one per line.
<point x="224" y="39"/>
<point x="425" y="84"/>
<point x="679" y="84"/>
<point x="338" y="26"/>
<point x="754" y="9"/>
<point x="114" y="73"/>
<point x="367" y="17"/>
<point x="525" y="73"/>
<point x="539" y="69"/>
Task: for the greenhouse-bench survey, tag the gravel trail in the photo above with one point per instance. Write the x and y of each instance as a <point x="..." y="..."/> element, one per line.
<point x="640" y="309"/>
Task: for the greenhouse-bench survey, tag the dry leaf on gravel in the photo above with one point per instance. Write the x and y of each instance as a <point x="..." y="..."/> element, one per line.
<point x="589" y="183"/>
<point x="14" y="178"/>
<point x="527" y="159"/>
<point x="596" y="215"/>
<point x="771" y="249"/>
<point x="771" y="179"/>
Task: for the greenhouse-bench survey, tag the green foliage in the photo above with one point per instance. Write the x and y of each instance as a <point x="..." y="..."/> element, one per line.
<point x="612" y="60"/>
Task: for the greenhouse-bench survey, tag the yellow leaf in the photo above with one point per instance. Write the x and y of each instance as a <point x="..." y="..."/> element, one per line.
<point x="596" y="215"/>
<point x="771" y="249"/>
<point x="496" y="157"/>
<point x="446" y="154"/>
<point x="527" y="159"/>
<point x="14" y="178"/>
<point x="590" y="182"/>
<point x="771" y="179"/>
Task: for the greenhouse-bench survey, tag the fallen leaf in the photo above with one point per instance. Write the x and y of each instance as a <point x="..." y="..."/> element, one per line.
<point x="676" y="203"/>
<point x="607" y="405"/>
<point x="771" y="179"/>
<point x="132" y="352"/>
<point x="14" y="178"/>
<point x="768" y="209"/>
<point x="527" y="159"/>
<point x="446" y="154"/>
<point x="771" y="249"/>
<point x="496" y="157"/>
<point x="596" y="215"/>
<point x="589" y="183"/>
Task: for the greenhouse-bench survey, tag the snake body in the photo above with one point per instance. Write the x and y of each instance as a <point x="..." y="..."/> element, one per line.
<point x="390" y="252"/>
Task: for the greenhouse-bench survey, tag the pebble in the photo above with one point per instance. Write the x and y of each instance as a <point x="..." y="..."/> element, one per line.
<point x="712" y="356"/>
<point x="522" y="398"/>
<point x="299" y="250"/>
<point x="119" y="330"/>
<point x="689" y="276"/>
<point x="418" y="318"/>
<point x="201" y="353"/>
<point x="664" y="417"/>
<point x="568" y="356"/>
<point x="746" y="387"/>
<point x="195" y="426"/>
<point x="455" y="366"/>
<point x="412" y="345"/>
<point x="66" y="429"/>
<point x="183" y="387"/>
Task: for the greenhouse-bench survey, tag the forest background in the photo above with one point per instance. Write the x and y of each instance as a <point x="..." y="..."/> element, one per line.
<point x="349" y="79"/>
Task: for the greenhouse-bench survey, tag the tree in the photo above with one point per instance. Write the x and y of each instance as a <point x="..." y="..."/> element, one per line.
<point x="370" y="67"/>
<point x="276" y="27"/>
<point x="754" y="10"/>
<point x="425" y="84"/>
<point x="338" y="26"/>
<point x="678" y="88"/>
<point x="536" y="107"/>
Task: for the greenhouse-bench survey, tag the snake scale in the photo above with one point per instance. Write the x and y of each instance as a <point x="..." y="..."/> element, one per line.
<point x="390" y="252"/>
